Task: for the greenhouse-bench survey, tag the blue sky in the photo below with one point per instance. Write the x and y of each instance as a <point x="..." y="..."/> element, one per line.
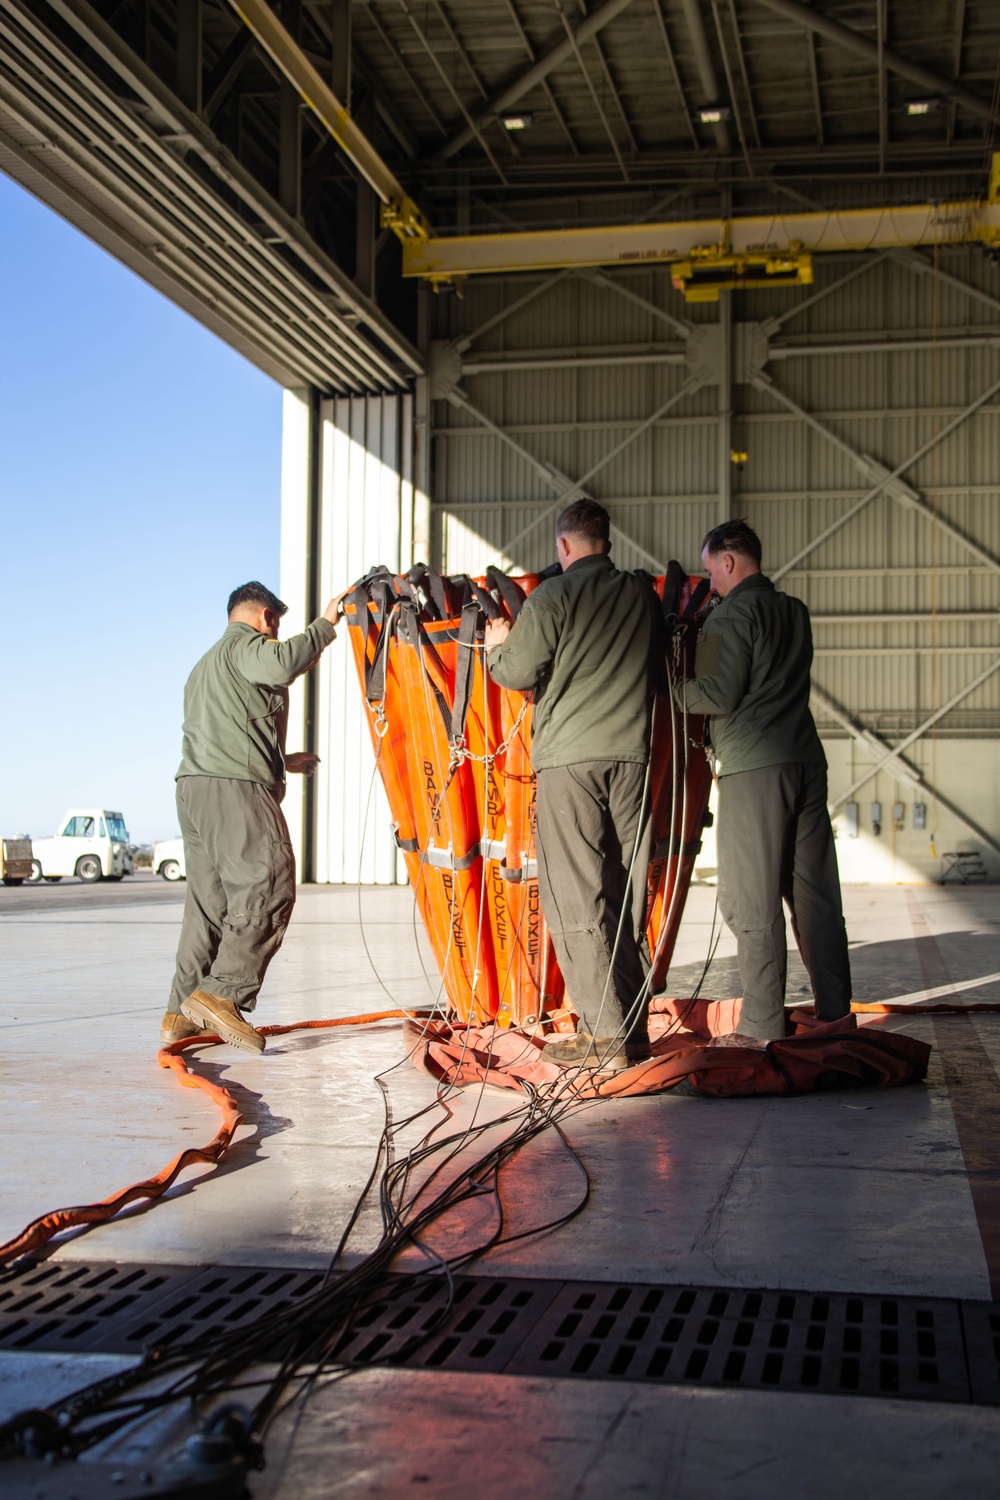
<point x="139" y="483"/>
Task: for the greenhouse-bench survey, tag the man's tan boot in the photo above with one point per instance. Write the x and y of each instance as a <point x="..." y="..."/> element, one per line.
<point x="604" y="1052"/>
<point x="174" y="1028"/>
<point x="212" y="1013"/>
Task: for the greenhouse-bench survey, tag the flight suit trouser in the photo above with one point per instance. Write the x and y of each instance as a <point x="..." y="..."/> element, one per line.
<point x="240" y="888"/>
<point x="592" y="840"/>
<point x="775" y="843"/>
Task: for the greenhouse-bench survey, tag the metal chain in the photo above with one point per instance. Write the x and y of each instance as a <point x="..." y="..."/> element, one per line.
<point x="461" y="752"/>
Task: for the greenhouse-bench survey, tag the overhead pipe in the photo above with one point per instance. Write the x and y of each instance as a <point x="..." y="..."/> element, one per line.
<point x="706" y="69"/>
<point x="534" y="75"/>
<point x="852" y="41"/>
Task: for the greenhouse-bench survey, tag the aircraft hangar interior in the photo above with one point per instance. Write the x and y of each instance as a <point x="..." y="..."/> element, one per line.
<point x="697" y="260"/>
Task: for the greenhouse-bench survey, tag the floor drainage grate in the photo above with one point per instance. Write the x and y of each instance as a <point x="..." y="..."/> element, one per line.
<point x="62" y="1306"/>
<point x="904" y="1347"/>
<point x="874" y="1346"/>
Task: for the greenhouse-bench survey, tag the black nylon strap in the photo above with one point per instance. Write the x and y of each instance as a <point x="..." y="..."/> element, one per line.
<point x="420" y="575"/>
<point x="697" y="599"/>
<point x="434" y="585"/>
<point x="663" y="848"/>
<point x="486" y="602"/>
<point x="464" y="670"/>
<point x="384" y="598"/>
<point x="673" y="584"/>
<point x="511" y="593"/>
<point x="375" y="668"/>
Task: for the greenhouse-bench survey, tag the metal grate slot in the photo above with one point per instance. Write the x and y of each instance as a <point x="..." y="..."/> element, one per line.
<point x="981" y="1322"/>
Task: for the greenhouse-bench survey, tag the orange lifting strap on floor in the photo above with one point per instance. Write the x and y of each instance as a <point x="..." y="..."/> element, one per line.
<point x="48" y="1225"/>
<point x="453" y="751"/>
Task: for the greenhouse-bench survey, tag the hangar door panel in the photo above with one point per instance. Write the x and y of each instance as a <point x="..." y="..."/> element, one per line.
<point x="366" y="517"/>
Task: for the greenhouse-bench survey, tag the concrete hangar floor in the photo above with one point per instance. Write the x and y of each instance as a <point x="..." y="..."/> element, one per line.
<point x="867" y="1222"/>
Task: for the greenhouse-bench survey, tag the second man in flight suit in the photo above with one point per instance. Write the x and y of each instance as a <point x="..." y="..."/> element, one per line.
<point x="584" y="645"/>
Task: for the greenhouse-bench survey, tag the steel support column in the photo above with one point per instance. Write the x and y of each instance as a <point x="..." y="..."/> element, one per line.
<point x="340" y="49"/>
<point x="189" y="53"/>
<point x="290" y="127"/>
<point x="725" y="434"/>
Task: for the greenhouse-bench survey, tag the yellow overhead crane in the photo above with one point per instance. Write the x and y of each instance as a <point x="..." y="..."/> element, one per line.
<point x="705" y="256"/>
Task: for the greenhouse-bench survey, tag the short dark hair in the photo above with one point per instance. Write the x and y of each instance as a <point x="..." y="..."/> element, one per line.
<point x="255" y="593"/>
<point x="733" y="536"/>
<point x="584" y="518"/>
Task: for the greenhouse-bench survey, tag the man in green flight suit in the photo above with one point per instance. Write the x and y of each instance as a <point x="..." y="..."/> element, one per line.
<point x="752" y="677"/>
<point x="239" y="860"/>
<point x="585" y="645"/>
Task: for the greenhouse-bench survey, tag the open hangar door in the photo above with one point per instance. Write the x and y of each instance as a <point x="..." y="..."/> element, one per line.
<point x="348" y="502"/>
<point x="855" y="423"/>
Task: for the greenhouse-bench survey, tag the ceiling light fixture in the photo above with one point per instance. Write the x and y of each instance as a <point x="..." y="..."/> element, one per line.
<point x="714" y="114"/>
<point x="517" y="122"/>
<point x="922" y="106"/>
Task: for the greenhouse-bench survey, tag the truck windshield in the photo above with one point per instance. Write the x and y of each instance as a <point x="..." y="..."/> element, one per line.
<point x="116" y="828"/>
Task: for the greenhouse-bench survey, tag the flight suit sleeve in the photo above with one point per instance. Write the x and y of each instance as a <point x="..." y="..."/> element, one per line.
<point x="268" y="663"/>
<point x="722" y="663"/>
<point x="525" y="658"/>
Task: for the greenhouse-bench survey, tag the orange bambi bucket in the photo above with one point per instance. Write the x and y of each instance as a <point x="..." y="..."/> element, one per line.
<point x="453" y="751"/>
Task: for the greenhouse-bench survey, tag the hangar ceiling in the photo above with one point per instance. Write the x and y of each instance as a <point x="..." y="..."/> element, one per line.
<point x="169" y="133"/>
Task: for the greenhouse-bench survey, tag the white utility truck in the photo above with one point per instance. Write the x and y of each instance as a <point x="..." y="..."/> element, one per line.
<point x="92" y="844"/>
<point x="168" y="859"/>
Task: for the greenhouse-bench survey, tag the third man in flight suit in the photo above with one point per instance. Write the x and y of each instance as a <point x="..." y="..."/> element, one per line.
<point x="775" y="842"/>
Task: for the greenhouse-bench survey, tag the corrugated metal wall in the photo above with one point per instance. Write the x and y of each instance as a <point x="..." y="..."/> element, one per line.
<point x="366" y="517"/>
<point x="663" y="488"/>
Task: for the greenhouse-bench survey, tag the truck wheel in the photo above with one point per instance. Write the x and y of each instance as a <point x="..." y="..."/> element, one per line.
<point x="35" y="878"/>
<point x="88" y="869"/>
<point x="170" y="869"/>
<point x="13" y="880"/>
